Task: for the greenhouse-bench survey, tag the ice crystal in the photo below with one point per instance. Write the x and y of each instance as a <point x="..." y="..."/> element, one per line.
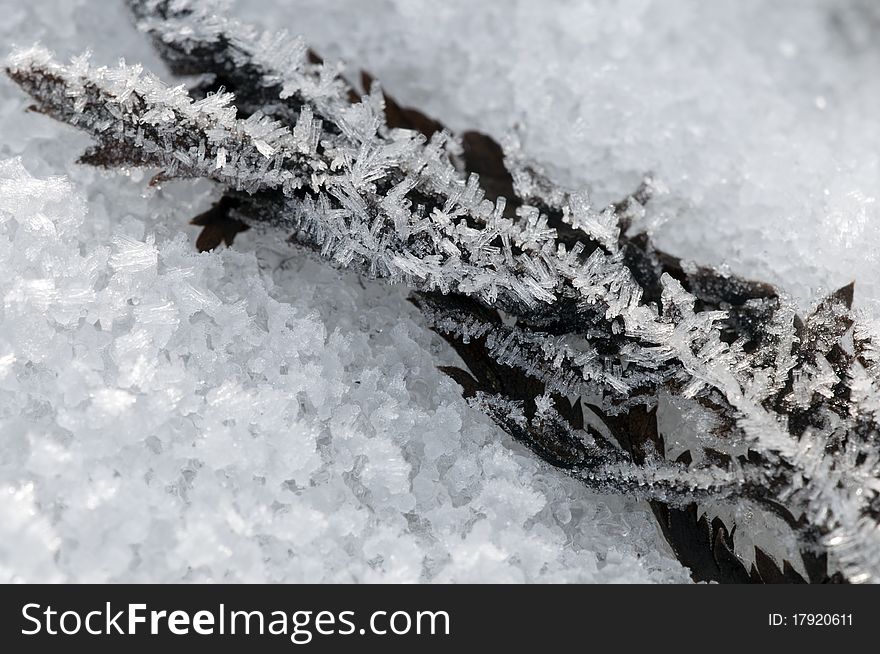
<point x="544" y="296"/>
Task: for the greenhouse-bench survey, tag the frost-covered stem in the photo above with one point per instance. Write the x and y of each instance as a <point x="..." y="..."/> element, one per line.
<point x="544" y="296"/>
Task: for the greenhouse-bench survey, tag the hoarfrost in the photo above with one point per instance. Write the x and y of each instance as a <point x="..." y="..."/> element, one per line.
<point x="607" y="322"/>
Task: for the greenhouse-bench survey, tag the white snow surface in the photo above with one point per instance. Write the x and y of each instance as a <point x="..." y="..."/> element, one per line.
<point x="758" y="117"/>
<point x="252" y="415"/>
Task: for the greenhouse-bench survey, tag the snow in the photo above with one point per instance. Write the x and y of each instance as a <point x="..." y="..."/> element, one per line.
<point x="253" y="415"/>
<point x="169" y="415"/>
<point x="758" y="118"/>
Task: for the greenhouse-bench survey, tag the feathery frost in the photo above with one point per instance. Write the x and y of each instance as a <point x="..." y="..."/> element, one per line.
<point x="575" y="330"/>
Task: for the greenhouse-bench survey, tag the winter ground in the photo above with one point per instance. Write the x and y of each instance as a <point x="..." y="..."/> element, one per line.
<point x="252" y="415"/>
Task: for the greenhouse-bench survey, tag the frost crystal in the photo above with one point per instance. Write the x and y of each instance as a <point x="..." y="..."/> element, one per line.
<point x="544" y="296"/>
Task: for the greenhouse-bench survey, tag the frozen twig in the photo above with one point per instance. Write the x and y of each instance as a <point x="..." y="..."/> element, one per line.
<point x="544" y="296"/>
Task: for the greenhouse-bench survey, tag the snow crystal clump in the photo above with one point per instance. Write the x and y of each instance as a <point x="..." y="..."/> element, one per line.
<point x="173" y="416"/>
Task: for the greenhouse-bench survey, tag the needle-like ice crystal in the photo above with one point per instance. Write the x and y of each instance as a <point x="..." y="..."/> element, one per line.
<point x="579" y="338"/>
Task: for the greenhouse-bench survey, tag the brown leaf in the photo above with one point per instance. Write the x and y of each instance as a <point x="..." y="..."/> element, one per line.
<point x="485" y="157"/>
<point x="218" y="225"/>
